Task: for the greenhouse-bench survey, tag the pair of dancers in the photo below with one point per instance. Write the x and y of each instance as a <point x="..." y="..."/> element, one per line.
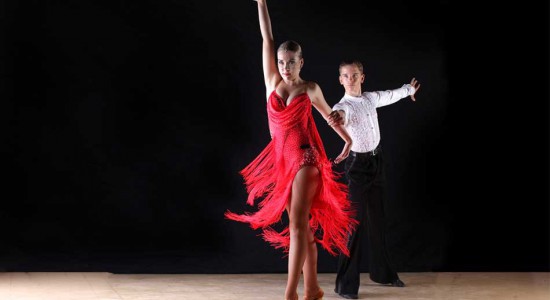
<point x="293" y="173"/>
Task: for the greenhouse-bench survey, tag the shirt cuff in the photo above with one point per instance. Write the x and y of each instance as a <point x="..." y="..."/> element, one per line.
<point x="410" y="89"/>
<point x="345" y="110"/>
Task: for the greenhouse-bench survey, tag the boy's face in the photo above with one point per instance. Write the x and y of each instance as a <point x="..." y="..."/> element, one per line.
<point x="350" y="77"/>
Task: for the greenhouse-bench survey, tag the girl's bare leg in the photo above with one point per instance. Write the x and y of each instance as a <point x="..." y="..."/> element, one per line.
<point x="304" y="189"/>
<point x="311" y="284"/>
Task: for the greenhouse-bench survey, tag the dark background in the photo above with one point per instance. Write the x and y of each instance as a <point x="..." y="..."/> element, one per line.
<point x="126" y="123"/>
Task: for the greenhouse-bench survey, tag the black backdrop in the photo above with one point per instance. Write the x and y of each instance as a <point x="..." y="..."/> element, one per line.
<point x="126" y="123"/>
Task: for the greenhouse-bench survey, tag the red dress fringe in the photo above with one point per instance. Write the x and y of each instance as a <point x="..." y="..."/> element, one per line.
<point x="295" y="143"/>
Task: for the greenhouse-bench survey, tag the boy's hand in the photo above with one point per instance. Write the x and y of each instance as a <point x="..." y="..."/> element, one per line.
<point x="335" y="118"/>
<point x="416" y="86"/>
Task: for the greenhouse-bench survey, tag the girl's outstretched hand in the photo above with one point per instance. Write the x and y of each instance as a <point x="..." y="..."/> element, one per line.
<point x="344" y="154"/>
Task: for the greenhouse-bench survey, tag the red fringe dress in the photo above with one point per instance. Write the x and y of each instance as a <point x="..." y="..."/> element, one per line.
<point x="295" y="143"/>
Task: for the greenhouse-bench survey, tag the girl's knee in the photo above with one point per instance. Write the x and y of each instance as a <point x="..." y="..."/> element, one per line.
<point x="298" y="227"/>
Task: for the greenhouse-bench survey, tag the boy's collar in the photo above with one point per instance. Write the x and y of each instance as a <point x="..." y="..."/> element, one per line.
<point x="353" y="97"/>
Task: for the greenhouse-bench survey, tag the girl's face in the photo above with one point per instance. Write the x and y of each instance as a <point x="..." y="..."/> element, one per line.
<point x="289" y="64"/>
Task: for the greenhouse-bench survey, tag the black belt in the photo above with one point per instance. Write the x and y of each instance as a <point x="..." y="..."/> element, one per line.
<point x="365" y="154"/>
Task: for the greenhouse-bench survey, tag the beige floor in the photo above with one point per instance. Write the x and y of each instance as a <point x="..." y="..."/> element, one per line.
<point x="107" y="286"/>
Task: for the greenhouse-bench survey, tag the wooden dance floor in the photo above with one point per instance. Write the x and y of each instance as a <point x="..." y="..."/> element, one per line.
<point x="107" y="286"/>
